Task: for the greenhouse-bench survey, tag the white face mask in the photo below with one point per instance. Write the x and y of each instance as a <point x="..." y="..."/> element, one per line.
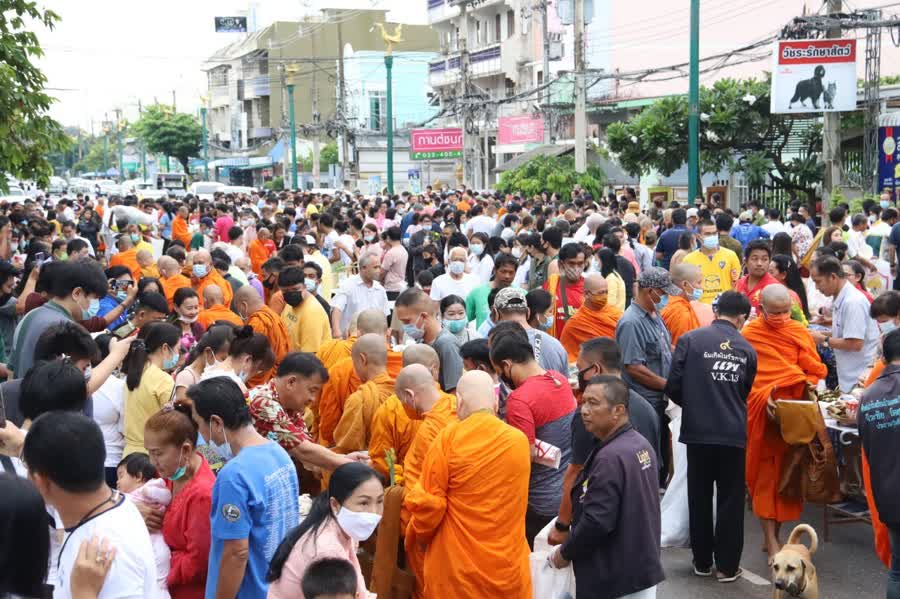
<point x="359" y="526"/>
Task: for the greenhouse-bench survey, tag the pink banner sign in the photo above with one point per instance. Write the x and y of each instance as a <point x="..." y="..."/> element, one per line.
<point x="520" y="129"/>
<point x="436" y="143"/>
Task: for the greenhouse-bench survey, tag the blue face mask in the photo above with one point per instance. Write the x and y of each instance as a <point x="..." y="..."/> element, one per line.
<point x="199" y="270"/>
<point x="170" y="362"/>
<point x="178" y="473"/>
<point x="311" y="285"/>
<point x="711" y="242"/>
<point x="224" y="449"/>
<point x="456" y="326"/>
<point x="696" y="294"/>
<point x="884" y="204"/>
<point x="477" y="249"/>
<point x="662" y="303"/>
<point x="546" y="324"/>
<point x="93" y="309"/>
<point x="121" y="295"/>
<point x="414" y="332"/>
<point x="135" y="237"/>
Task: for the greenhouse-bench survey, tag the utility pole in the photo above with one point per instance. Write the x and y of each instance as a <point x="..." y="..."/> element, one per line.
<point x="694" y="106"/>
<point x="388" y="66"/>
<point x="173" y="102"/>
<point x="119" y="125"/>
<point x="545" y="30"/>
<point x="205" y="142"/>
<point x="831" y="136"/>
<point x="143" y="148"/>
<point x="342" y="106"/>
<point x="315" y="117"/>
<point x="580" y="102"/>
<point x="290" y="91"/>
<point x="468" y="152"/>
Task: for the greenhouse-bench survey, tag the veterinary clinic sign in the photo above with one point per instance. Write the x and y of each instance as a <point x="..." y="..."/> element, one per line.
<point x="814" y="76"/>
<point x="428" y="144"/>
<point x="520" y="129"/>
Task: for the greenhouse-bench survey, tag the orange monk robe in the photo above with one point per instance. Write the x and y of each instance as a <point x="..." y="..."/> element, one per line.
<point x="354" y="429"/>
<point x="276" y="301"/>
<point x="333" y="350"/>
<point x="882" y="539"/>
<point x="679" y="317"/>
<point x="173" y="284"/>
<point x="128" y="258"/>
<point x="259" y="253"/>
<point x="439" y="417"/>
<point x="265" y="322"/>
<point x="180" y="231"/>
<point x="218" y="312"/>
<point x="393" y="429"/>
<point x="151" y="271"/>
<point x="588" y="323"/>
<point x="786" y="359"/>
<point x="214" y="278"/>
<point x="469" y="508"/>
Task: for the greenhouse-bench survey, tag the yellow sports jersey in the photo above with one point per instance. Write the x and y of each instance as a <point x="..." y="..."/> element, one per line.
<point x="720" y="271"/>
<point x="307" y="325"/>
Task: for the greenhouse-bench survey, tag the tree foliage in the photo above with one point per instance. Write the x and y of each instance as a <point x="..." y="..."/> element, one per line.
<point x="737" y="133"/>
<point x="27" y="132"/>
<point x="553" y="174"/>
<point x="173" y="134"/>
<point x="328" y="155"/>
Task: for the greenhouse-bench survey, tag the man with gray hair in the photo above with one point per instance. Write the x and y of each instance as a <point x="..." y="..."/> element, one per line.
<point x="358" y="293"/>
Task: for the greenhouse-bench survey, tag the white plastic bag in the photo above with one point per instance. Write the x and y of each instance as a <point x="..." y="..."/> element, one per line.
<point x="548" y="582"/>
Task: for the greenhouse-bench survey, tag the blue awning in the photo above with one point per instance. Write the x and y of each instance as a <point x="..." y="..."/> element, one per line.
<point x="237" y="161"/>
<point x="277" y="151"/>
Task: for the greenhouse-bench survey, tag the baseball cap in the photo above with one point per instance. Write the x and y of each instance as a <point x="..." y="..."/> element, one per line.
<point x="207" y="221"/>
<point x="634" y="207"/>
<point x="511" y="298"/>
<point x="309" y="239"/>
<point x="655" y="278"/>
<point x="746" y="215"/>
<point x="691" y="212"/>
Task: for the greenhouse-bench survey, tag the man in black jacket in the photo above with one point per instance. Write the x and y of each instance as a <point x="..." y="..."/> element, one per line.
<point x="712" y="371"/>
<point x="879" y="432"/>
<point x="614" y="541"/>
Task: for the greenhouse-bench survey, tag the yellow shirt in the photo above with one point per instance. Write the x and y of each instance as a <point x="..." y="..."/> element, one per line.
<point x="151" y="394"/>
<point x="312" y="209"/>
<point x="616" y="290"/>
<point x="143" y="245"/>
<point x="307" y="325"/>
<point x="327" y="274"/>
<point x="720" y="271"/>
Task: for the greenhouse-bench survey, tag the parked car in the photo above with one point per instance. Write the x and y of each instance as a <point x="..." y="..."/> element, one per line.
<point x="205" y="189"/>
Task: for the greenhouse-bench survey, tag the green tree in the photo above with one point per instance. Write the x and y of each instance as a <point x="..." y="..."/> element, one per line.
<point x="27" y="132"/>
<point x="737" y="134"/>
<point x="178" y="135"/>
<point x="327" y="155"/>
<point x="554" y="174"/>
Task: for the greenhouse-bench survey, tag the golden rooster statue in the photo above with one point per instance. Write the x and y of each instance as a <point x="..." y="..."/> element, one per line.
<point x="390" y="39"/>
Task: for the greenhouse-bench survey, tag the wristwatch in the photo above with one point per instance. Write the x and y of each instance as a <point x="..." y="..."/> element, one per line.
<point x="561" y="527"/>
<point x="826" y="343"/>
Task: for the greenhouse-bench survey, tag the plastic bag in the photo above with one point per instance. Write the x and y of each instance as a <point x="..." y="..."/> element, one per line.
<point x="674" y="511"/>
<point x="548" y="582"/>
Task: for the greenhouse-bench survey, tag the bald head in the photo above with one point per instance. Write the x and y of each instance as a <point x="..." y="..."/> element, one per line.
<point x="682" y="273"/>
<point x="247" y="296"/>
<point x="424" y="355"/>
<point x="369" y="356"/>
<point x="202" y="257"/>
<point x="775" y="299"/>
<point x="475" y="391"/>
<point x="124" y="243"/>
<point x="168" y="266"/>
<point x="595" y="283"/>
<point x="212" y="295"/>
<point x="144" y="258"/>
<point x="416" y="389"/>
<point x="243" y="263"/>
<point x="458" y="253"/>
<point x="372" y="321"/>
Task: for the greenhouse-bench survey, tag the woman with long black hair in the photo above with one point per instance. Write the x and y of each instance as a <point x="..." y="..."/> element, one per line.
<point x="336" y="524"/>
<point x="785" y="270"/>
<point x="149" y="385"/>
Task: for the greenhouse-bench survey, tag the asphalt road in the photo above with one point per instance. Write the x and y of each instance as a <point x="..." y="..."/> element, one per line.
<point x="847" y="566"/>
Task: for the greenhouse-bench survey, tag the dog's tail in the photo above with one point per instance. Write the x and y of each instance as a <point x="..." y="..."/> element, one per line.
<point x="809" y="530"/>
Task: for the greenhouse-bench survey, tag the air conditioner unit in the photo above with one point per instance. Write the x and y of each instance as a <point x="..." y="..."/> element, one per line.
<point x="556" y="50"/>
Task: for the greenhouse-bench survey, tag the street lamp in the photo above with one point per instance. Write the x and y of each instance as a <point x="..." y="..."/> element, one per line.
<point x="291" y="70"/>
<point x="107" y="125"/>
<point x="119" y="127"/>
<point x="389" y="40"/>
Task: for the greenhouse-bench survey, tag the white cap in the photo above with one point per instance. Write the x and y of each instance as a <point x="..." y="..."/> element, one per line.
<point x="691" y="212"/>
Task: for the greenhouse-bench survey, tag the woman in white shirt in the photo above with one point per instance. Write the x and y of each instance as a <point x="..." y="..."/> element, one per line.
<point x="481" y="263"/>
<point x="109" y="414"/>
<point x="249" y="354"/>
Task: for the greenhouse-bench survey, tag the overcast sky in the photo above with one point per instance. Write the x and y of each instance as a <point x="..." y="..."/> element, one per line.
<point x="107" y="53"/>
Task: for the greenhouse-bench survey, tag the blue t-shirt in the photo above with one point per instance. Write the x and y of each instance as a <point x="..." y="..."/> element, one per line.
<point x="256" y="498"/>
<point x="107" y="305"/>
<point x="667" y="244"/>
<point x="165" y="225"/>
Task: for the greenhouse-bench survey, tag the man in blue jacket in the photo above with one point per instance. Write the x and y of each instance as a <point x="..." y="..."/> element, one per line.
<point x="614" y="542"/>
<point x="712" y="372"/>
<point x="879" y="432"/>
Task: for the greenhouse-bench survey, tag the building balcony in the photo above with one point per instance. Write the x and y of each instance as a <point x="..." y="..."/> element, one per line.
<point x="259" y="132"/>
<point x="483" y="62"/>
<point x="440" y="10"/>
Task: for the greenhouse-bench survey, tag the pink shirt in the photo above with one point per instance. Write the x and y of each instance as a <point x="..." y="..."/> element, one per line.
<point x="328" y="541"/>
<point x="394" y="265"/>
<point x="223" y="223"/>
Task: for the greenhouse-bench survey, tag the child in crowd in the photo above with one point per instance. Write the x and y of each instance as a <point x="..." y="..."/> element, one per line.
<point x="138" y="479"/>
<point x="329" y="578"/>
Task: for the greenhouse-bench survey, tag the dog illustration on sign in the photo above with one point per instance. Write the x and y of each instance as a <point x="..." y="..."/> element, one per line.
<point x="814" y="89"/>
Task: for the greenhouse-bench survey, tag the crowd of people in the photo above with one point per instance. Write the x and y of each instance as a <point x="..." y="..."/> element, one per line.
<point x="299" y="395"/>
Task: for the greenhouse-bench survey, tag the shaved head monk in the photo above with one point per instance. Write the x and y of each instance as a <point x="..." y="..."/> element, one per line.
<point x="334" y="350"/>
<point x="679" y="315"/>
<point x="260" y="249"/>
<point x="392" y="426"/>
<point x="147" y="264"/>
<point x="214" y="308"/>
<point x="468" y="508"/>
<point x="786" y="359"/>
<point x="253" y="310"/>
<point x="203" y="275"/>
<point x="354" y="429"/>
<point x="343" y="380"/>
<point x="171" y="278"/>
<point x="595" y="318"/>
<point x="127" y="256"/>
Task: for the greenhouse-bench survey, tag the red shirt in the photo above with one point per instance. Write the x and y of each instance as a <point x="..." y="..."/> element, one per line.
<point x="186" y="530"/>
<point x="753" y="294"/>
<point x="574" y="299"/>
<point x="223" y="223"/>
<point x="540" y="400"/>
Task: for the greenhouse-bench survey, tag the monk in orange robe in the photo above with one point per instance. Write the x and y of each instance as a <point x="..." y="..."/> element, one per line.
<point x="335" y="350"/>
<point x="171" y="278"/>
<point x="212" y="277"/>
<point x="467" y="509"/>
<point x="127" y="256"/>
<point x="679" y="315"/>
<point x="215" y="310"/>
<point x="392" y="425"/>
<point x="259" y="251"/>
<point x="595" y="317"/>
<point x="180" y="231"/>
<point x="265" y="322"/>
<point x="354" y="429"/>
<point x="786" y="360"/>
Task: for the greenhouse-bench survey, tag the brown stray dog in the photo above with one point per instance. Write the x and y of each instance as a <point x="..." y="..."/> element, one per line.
<point x="793" y="572"/>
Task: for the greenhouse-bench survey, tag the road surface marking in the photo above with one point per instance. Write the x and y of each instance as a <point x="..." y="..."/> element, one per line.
<point x="753" y="578"/>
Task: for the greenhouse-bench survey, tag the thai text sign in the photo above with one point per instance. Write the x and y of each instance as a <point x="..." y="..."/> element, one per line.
<point x="814" y="76"/>
<point x="426" y="144"/>
<point x="520" y="129"/>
